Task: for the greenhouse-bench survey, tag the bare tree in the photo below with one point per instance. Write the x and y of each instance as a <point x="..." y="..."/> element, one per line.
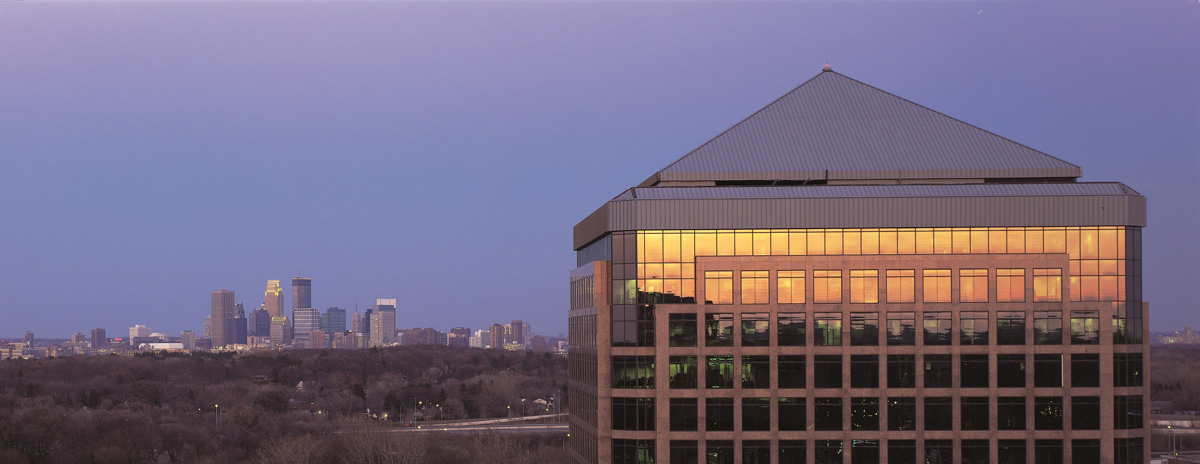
<point x="366" y="446"/>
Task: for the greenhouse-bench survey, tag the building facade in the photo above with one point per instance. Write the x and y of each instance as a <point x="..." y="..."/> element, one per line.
<point x="301" y="292"/>
<point x="333" y="320"/>
<point x="222" y="318"/>
<point x="847" y="276"/>
<point x="273" y="299"/>
<point x="99" y="338"/>
<point x="304" y="322"/>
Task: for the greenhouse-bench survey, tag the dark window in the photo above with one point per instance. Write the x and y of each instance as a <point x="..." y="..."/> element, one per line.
<point x="1128" y="450"/>
<point x="901" y="329"/>
<point x="901" y="371"/>
<point x="1047" y="413"/>
<point x="719" y="451"/>
<point x="1047" y="370"/>
<point x="756" y="414"/>
<point x="864" y="329"/>
<point x="864" y="371"/>
<point x="827" y="371"/>
<point x="684" y="414"/>
<point x="939" y="413"/>
<point x="684" y="452"/>
<point x="756" y="329"/>
<point x="864" y="451"/>
<point x="975" y="412"/>
<point x="791" y="371"/>
<point x="1127" y="412"/>
<point x="681" y="329"/>
<point x="633" y="325"/>
<point x="828" y="451"/>
<point x="756" y="371"/>
<point x="720" y="414"/>
<point x="633" y="413"/>
<point x="1047" y="452"/>
<point x="1010" y="370"/>
<point x="1047" y="328"/>
<point x="1010" y="412"/>
<point x="632" y="451"/>
<point x="1010" y="328"/>
<point x="976" y="452"/>
<point x="1085" y="370"/>
<point x="973" y="327"/>
<point x="1011" y="451"/>
<point x="792" y="414"/>
<point x="939" y="451"/>
<point x="937" y="328"/>
<point x="756" y="452"/>
<point x="973" y="371"/>
<point x="864" y="414"/>
<point x="718" y="329"/>
<point x="902" y="451"/>
<point x="633" y="371"/>
<point x="683" y="371"/>
<point x="1085" y="412"/>
<point x="793" y="452"/>
<point x="828" y="413"/>
<point x="1127" y="369"/>
<point x="1085" y="451"/>
<point x="718" y="371"/>
<point x="938" y="371"/>
<point x="902" y="413"/>
<point x="791" y="329"/>
<point x="1085" y="327"/>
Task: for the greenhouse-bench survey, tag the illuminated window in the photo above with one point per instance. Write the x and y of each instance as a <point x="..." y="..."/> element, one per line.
<point x="756" y="329"/>
<point x="973" y="285"/>
<point x="827" y="329"/>
<point x="1085" y="327"/>
<point x="718" y="329"/>
<point x="1010" y="285"/>
<point x="1047" y="285"/>
<point x="864" y="286"/>
<point x="936" y="285"/>
<point x="900" y="283"/>
<point x="790" y="286"/>
<point x="756" y="287"/>
<point x="827" y="286"/>
<point x="718" y="287"/>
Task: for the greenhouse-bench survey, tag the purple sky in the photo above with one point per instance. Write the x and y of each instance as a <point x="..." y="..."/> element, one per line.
<point x="439" y="153"/>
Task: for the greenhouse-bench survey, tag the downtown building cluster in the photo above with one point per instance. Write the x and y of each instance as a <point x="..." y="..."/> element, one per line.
<point x="847" y="276"/>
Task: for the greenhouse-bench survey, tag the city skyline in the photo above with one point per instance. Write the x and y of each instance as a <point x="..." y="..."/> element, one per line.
<point x="436" y="154"/>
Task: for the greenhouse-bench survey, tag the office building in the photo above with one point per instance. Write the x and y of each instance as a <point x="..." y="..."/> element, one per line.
<point x="259" y="323"/>
<point x="333" y="320"/>
<point x="301" y="293"/>
<point x="304" y="321"/>
<point x="188" y="338"/>
<point x="281" y="331"/>
<point x="99" y="339"/>
<point x="847" y="276"/>
<point x="459" y="336"/>
<point x="138" y="331"/>
<point x="383" y="323"/>
<point x="222" y="318"/>
<point x="496" y="337"/>
<point x="240" y="331"/>
<point x="273" y="299"/>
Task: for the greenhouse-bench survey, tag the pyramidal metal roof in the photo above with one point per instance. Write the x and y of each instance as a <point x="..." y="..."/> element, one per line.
<point x="833" y="127"/>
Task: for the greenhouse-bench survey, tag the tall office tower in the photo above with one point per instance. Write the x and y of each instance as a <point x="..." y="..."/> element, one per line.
<point x="459" y="336"/>
<point x="496" y="337"/>
<point x="138" y="331"/>
<point x="259" y="323"/>
<point x="333" y="320"/>
<point x="273" y="299"/>
<point x="240" y="332"/>
<point x="304" y="321"/>
<point x="99" y="338"/>
<point x="222" y="318"/>
<point x="356" y="324"/>
<point x="301" y="292"/>
<point x="383" y="324"/>
<point x="239" y="310"/>
<point x="316" y="339"/>
<point x="516" y="330"/>
<point x="526" y="334"/>
<point x="208" y="327"/>
<point x="281" y="331"/>
<point x="188" y="338"/>
<point x="846" y="272"/>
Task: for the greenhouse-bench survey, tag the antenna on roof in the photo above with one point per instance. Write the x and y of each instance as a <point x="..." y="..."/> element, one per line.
<point x="826" y="68"/>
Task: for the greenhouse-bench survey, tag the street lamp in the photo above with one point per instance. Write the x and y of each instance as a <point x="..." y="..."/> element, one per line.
<point x="217" y="410"/>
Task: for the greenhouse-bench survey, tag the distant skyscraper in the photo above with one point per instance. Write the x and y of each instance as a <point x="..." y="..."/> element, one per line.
<point x="138" y="331"/>
<point x="281" y="331"/>
<point x="356" y="323"/>
<point x="78" y="337"/>
<point x="496" y="337"/>
<point x="99" y="338"/>
<point x="28" y="338"/>
<point x="304" y="321"/>
<point x="222" y="318"/>
<point x="459" y="336"/>
<point x="301" y="293"/>
<point x="240" y="331"/>
<point x="208" y="328"/>
<point x="383" y="324"/>
<point x="516" y="329"/>
<point x="259" y="323"/>
<point x="316" y="339"/>
<point x="189" y="339"/>
<point x="273" y="300"/>
<point x="333" y="320"/>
